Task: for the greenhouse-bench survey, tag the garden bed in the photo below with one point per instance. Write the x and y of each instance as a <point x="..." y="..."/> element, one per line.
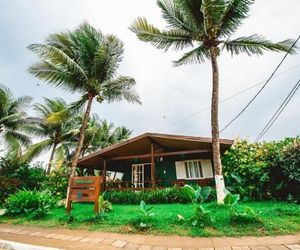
<point x="277" y="218"/>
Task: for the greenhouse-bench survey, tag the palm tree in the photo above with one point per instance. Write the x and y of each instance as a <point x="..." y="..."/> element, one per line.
<point x="207" y="26"/>
<point x="99" y="134"/>
<point x="84" y="61"/>
<point x="53" y="132"/>
<point x="13" y="119"/>
<point x="102" y="134"/>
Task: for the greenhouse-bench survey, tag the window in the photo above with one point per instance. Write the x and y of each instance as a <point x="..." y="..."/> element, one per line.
<point x="193" y="169"/>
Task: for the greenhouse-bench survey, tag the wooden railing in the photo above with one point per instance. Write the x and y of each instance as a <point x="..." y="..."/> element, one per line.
<point x="129" y="185"/>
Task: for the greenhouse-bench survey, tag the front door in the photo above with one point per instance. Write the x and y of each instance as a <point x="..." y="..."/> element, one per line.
<point x="138" y="175"/>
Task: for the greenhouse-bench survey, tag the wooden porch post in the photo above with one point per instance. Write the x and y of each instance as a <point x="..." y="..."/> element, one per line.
<point x="152" y="166"/>
<point x="104" y="175"/>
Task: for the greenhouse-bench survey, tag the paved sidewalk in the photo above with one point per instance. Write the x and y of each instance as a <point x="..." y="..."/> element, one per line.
<point x="79" y="239"/>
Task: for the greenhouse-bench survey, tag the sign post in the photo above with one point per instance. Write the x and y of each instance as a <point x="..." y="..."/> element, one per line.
<point x="84" y="189"/>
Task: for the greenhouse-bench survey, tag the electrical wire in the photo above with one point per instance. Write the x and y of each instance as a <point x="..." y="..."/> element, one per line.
<point x="225" y="99"/>
<point x="279" y="110"/>
<point x="261" y="89"/>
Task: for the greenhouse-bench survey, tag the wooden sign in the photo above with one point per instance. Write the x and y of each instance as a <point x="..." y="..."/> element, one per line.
<point x="84" y="189"/>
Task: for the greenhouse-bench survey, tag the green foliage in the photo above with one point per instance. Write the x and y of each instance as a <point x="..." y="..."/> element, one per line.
<point x="14" y="176"/>
<point x="203" y="25"/>
<point x="248" y="215"/>
<point x="231" y="199"/>
<point x="201" y="217"/>
<point x="198" y="194"/>
<point x="144" y="220"/>
<point x="13" y="119"/>
<point x="35" y="204"/>
<point x="104" y="205"/>
<point x="263" y="170"/>
<point x="157" y="196"/>
<point x="57" y="182"/>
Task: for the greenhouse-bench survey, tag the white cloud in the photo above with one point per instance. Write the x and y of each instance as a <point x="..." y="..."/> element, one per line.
<point x="168" y="94"/>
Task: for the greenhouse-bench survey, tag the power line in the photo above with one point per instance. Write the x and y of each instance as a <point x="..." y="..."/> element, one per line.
<point x="225" y="99"/>
<point x="261" y="89"/>
<point x="279" y="110"/>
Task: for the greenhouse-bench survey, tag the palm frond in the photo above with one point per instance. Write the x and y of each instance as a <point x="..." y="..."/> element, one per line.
<point x="57" y="57"/>
<point x="174" y="16"/>
<point x="12" y="135"/>
<point x="121" y="88"/>
<point x="161" y="39"/>
<point x="77" y="106"/>
<point x="59" y="157"/>
<point x="36" y="149"/>
<point x="197" y="55"/>
<point x="191" y="9"/>
<point x="21" y="104"/>
<point x="212" y="13"/>
<point x="57" y="76"/>
<point x="236" y="11"/>
<point x="256" y="44"/>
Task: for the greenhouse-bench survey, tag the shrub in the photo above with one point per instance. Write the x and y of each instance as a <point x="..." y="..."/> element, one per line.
<point x="197" y="195"/>
<point x="143" y="221"/>
<point x="33" y="203"/>
<point x="14" y="176"/>
<point x="57" y="182"/>
<point x="267" y="170"/>
<point x="248" y="215"/>
<point x="157" y="196"/>
<point x="104" y="205"/>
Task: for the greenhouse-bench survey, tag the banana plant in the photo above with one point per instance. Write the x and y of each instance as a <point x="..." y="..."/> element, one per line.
<point x="197" y="196"/>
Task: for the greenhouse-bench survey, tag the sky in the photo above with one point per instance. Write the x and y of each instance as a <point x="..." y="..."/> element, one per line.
<point x="175" y="100"/>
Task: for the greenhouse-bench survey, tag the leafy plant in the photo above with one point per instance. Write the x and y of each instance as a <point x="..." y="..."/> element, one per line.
<point x="33" y="203"/>
<point x="156" y="196"/>
<point x="143" y="221"/>
<point x="104" y="205"/>
<point x="266" y="170"/>
<point x="247" y="215"/>
<point x="201" y="217"/>
<point x="57" y="182"/>
<point x="198" y="195"/>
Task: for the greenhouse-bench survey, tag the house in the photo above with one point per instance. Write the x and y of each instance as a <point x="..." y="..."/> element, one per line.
<point x="156" y="160"/>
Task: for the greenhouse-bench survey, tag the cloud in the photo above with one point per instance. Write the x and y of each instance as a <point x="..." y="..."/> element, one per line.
<point x="168" y="94"/>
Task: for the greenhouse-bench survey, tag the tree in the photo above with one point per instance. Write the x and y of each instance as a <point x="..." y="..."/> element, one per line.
<point x="54" y="131"/>
<point x="207" y="26"/>
<point x="99" y="134"/>
<point x="84" y="61"/>
<point x="13" y="119"/>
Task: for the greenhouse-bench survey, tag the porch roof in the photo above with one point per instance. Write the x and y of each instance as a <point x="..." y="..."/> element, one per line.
<point x="141" y="146"/>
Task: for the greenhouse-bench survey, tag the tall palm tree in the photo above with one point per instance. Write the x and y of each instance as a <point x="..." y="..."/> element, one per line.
<point x="53" y="132"/>
<point x="207" y="27"/>
<point x="84" y="61"/>
<point x="13" y="118"/>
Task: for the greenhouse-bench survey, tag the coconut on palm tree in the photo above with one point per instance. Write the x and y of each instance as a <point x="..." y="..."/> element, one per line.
<point x="13" y="119"/>
<point x="84" y="61"/>
<point x="53" y="132"/>
<point x="207" y="27"/>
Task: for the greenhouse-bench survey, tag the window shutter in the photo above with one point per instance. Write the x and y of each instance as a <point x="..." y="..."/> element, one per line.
<point x="207" y="169"/>
<point x="180" y="170"/>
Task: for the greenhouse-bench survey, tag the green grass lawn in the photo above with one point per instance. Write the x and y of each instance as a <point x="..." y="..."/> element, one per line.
<point x="276" y="219"/>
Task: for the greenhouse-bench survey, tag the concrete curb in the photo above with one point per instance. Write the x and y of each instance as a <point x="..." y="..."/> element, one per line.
<point x="11" y="245"/>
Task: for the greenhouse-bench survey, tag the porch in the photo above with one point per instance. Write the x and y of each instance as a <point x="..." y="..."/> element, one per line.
<point x="155" y="161"/>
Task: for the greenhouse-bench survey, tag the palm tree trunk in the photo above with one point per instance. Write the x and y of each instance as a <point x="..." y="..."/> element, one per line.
<point x="81" y="135"/>
<point x="220" y="186"/>
<point x="51" y="159"/>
